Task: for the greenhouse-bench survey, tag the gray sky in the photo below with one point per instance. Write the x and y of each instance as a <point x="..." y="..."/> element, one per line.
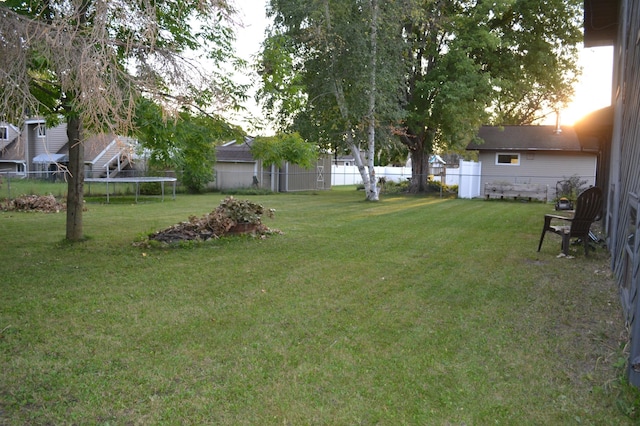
<point x="252" y="16"/>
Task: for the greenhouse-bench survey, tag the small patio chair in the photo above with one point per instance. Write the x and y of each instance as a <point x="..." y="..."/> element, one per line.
<point x="588" y="209"/>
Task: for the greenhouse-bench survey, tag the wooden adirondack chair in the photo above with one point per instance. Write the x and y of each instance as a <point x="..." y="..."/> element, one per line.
<point x="588" y="209"/>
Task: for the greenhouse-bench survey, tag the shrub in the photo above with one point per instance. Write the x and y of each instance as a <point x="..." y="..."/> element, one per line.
<point x="435" y="186"/>
<point x="247" y="191"/>
<point x="150" y="188"/>
<point x="570" y="187"/>
<point x="393" y="187"/>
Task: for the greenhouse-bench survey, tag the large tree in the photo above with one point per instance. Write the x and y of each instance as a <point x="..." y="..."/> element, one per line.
<point x="331" y="71"/>
<point x="87" y="61"/>
<point x="456" y="64"/>
<point x="473" y="63"/>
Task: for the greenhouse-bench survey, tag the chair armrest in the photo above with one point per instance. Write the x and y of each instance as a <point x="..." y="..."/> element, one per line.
<point x="549" y="217"/>
<point x="555" y="216"/>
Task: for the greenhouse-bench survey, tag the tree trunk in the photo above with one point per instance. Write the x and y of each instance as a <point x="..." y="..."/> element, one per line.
<point x="372" y="189"/>
<point x="419" y="168"/>
<point x="360" y="164"/>
<point x="75" y="189"/>
<point x="368" y="178"/>
<point x="420" y="146"/>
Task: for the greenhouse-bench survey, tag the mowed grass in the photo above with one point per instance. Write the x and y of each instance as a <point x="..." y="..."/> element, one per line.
<point x="412" y="310"/>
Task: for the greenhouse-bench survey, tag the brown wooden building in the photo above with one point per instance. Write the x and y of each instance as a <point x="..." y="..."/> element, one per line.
<point x="616" y="131"/>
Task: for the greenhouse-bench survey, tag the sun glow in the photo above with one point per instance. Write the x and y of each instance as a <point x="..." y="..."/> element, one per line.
<point x="593" y="90"/>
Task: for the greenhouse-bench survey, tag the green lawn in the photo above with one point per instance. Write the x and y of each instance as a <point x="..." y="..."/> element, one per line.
<point x="412" y="310"/>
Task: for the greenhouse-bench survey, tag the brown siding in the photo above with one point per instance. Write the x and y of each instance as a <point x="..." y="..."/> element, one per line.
<point x="229" y="175"/>
<point x="625" y="166"/>
<point x="296" y="178"/>
<point x="55" y="139"/>
<point x="621" y="215"/>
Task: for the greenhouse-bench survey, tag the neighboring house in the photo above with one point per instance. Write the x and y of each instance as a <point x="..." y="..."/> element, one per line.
<point x="38" y="151"/>
<point x="345" y="159"/>
<point x="617" y="23"/>
<point x="12" y="158"/>
<point x="542" y="155"/>
<point x="236" y="168"/>
<point x="34" y="148"/>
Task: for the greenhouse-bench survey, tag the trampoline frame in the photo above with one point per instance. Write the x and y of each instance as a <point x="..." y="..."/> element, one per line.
<point x="137" y="181"/>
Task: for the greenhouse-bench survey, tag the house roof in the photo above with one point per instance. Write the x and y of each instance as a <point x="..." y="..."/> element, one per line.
<point x="595" y="129"/>
<point x="12" y="137"/>
<point x="526" y="138"/>
<point x="12" y="152"/>
<point x="235" y="152"/>
<point x="600" y="22"/>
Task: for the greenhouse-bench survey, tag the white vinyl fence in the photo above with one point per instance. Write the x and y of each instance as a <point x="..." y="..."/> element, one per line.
<point x="469" y="174"/>
<point x="349" y="175"/>
<point x="466" y="176"/>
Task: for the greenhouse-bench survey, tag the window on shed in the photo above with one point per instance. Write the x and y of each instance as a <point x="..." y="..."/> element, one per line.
<point x="4" y="133"/>
<point x="41" y="131"/>
<point x="507" y="159"/>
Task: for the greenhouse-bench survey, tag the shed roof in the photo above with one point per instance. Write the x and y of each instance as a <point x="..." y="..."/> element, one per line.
<point x="526" y="138"/>
<point x="235" y="152"/>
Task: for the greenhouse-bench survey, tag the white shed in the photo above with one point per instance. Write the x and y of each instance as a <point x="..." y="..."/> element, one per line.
<point x="541" y="155"/>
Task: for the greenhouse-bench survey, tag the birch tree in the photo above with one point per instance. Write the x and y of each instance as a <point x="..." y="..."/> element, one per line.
<point x="87" y="61"/>
<point x="331" y="66"/>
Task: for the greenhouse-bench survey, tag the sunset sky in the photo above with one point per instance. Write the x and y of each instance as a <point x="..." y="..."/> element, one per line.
<point x="594" y="89"/>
